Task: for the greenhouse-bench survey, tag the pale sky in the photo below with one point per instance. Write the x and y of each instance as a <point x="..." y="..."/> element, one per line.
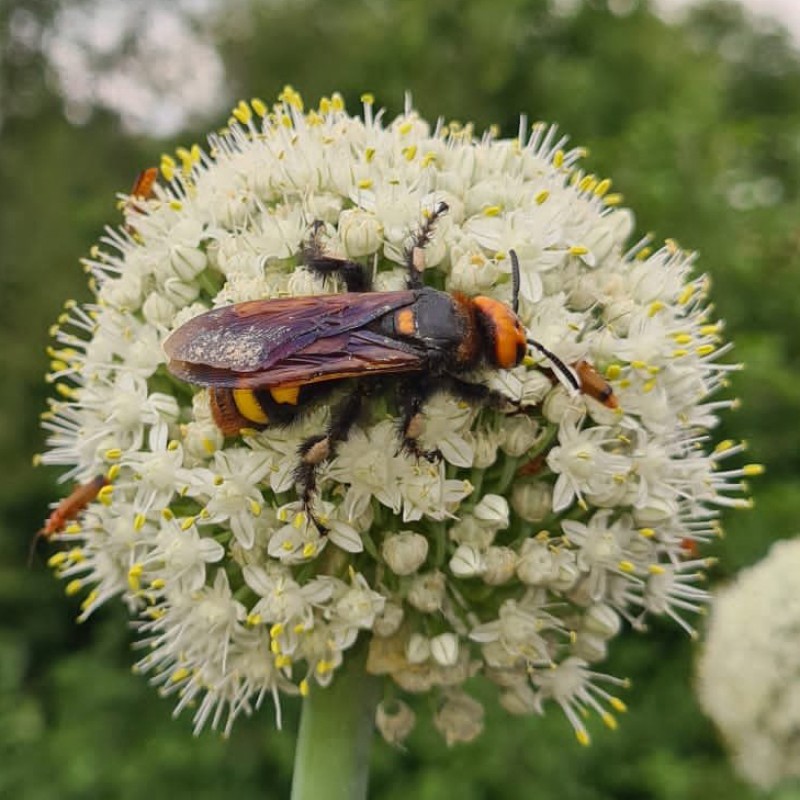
<point x="787" y="11"/>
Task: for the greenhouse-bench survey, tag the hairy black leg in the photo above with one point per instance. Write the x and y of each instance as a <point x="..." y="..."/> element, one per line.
<point x="411" y="397"/>
<point x="415" y="252"/>
<point x="354" y="275"/>
<point x="320" y="447"/>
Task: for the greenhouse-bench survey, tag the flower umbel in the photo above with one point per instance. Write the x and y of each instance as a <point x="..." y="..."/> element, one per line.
<point x="522" y="540"/>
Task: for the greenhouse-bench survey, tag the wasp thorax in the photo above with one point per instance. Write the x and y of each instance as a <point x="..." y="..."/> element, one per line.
<point x="504" y="336"/>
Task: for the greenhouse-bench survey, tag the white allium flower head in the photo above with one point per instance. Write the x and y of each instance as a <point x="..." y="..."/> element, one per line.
<point x="532" y="531"/>
<point x="748" y="676"/>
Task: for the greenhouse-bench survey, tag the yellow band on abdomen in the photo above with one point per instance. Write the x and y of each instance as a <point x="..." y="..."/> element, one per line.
<point x="248" y="406"/>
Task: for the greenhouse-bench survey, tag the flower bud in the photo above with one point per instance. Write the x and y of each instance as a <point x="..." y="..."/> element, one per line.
<point x="444" y="649"/>
<point x="467" y="561"/>
<point x="405" y="552"/>
<point x="388" y="621"/>
<point x="535" y="565"/>
<point x="187" y="262"/>
<point x="590" y="647"/>
<point x="501" y="564"/>
<point x="519" y="435"/>
<point x="459" y="719"/>
<point x="520" y="700"/>
<point x="395" y="720"/>
<point x="492" y="512"/>
<point x="532" y="500"/>
<point x="418" y="649"/>
<point x="361" y="232"/>
<point x="427" y="592"/>
<point x="180" y="294"/>
<point x="601" y="619"/>
<point x="157" y="310"/>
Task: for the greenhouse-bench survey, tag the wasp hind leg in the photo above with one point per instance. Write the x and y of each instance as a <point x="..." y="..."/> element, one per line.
<point x="411" y="398"/>
<point x="353" y="275"/>
<point x="320" y="447"/>
<point x="415" y="252"/>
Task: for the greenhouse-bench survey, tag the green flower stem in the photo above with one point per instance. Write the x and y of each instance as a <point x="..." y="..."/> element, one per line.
<point x="336" y="725"/>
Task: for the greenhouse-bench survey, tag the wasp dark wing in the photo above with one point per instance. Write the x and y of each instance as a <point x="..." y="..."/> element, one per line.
<point x="255" y="336"/>
<point x="346" y="355"/>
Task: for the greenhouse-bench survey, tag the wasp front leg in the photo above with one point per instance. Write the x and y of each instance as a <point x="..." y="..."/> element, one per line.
<point x="353" y="275"/>
<point x="321" y="447"/>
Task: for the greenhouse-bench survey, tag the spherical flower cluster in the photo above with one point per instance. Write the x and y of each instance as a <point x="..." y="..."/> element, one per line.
<point x="749" y="671"/>
<point x="516" y="554"/>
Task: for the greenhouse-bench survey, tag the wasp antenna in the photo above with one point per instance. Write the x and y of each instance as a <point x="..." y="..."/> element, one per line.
<point x="514" y="281"/>
<point x="561" y="368"/>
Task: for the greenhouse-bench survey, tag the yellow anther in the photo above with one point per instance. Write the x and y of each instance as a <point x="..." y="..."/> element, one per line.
<point x="180" y="674"/>
<point x="242" y="112"/>
<point x="638" y="364"/>
<point x="428" y="159"/>
<point x="686" y="295"/>
<point x="617" y="705"/>
<point x="157" y="584"/>
<point x="167" y="514"/>
<point x="656" y="569"/>
<point x="587" y="183"/>
<point x="602" y="187"/>
<point x="614" y="199"/>
<point x="309" y="549"/>
<point x="89" y="599"/>
<point x="405" y="128"/>
<point x="705" y="349"/>
<point x="492" y="211"/>
<point x="325" y="105"/>
<point x="613" y="371"/>
<point x="139" y="521"/>
<point x="558" y="159"/>
<point x="626" y="566"/>
<point x="104" y="495"/>
<point x="76" y="555"/>
<point x="56" y="560"/>
<point x="255" y="508"/>
<point x="277" y="629"/>
<point x="134" y="577"/>
<point x="648" y="533"/>
<point x="73" y="528"/>
<point x="175" y="205"/>
<point x="369" y="154"/>
<point x="299" y="628"/>
<point x="323" y="667"/>
<point x="66" y="391"/>
<point x="204" y="513"/>
<point x="254" y="619"/>
<point x="578" y="250"/>
<point x="680" y="353"/>
<point x="282" y="661"/>
<point x="751" y="470"/>
<point x="409" y="152"/>
<point x="73" y="587"/>
<point x="167" y="167"/>
<point x="173" y="445"/>
<point x="304" y="688"/>
<point x="655" y="307"/>
<point x="275" y="647"/>
<point x="583" y="737"/>
<point x="187" y="523"/>
<point x="259" y="106"/>
<point x="609" y="721"/>
<point x="367" y="98"/>
<point x="653" y="369"/>
<point x="113" y="472"/>
<point x="648" y="386"/>
<point x="365" y="183"/>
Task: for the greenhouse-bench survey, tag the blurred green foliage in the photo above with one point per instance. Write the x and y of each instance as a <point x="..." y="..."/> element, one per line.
<point x="699" y="125"/>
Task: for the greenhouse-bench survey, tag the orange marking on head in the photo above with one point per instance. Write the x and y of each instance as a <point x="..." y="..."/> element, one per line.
<point x="285" y="394"/>
<point x="508" y="337"/>
<point x="405" y="322"/>
<point x="144" y="183"/>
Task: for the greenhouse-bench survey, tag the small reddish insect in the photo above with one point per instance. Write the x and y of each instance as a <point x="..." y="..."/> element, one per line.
<point x="595" y="385"/>
<point x="145" y="183"/>
<point x="69" y="508"/>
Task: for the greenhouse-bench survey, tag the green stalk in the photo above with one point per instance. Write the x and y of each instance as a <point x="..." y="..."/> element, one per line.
<point x="336" y="724"/>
